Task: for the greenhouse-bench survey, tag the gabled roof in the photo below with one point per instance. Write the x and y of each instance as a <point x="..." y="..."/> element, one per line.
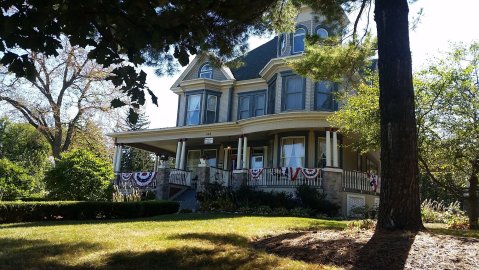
<point x="255" y="60"/>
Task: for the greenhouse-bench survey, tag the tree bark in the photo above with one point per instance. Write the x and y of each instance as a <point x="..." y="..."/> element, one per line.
<point x="472" y="200"/>
<point x="400" y="203"/>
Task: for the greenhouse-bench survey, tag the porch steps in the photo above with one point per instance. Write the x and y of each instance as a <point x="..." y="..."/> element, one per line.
<point x="187" y="199"/>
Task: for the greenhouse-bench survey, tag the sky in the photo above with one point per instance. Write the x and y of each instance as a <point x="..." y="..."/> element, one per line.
<point x="442" y="22"/>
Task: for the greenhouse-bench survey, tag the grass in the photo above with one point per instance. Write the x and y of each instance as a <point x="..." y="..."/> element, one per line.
<point x="183" y="241"/>
<point x="439" y="228"/>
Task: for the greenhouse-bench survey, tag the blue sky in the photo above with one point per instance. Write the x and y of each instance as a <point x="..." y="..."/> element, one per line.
<point x="443" y="21"/>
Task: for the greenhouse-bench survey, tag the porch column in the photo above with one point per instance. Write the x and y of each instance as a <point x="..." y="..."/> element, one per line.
<point x="238" y="156"/>
<point x="328" y="148"/>
<point x="155" y="167"/>
<point x="183" y="155"/>
<point x="245" y="152"/>
<point x="178" y="155"/>
<point x="115" y="154"/>
<point x="275" y="151"/>
<point x="225" y="158"/>
<point x="335" y="149"/>
<point x="118" y="158"/>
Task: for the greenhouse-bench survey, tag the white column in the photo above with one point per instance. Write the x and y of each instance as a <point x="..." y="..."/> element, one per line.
<point x="183" y="155"/>
<point x="238" y="156"/>
<point x="335" y="150"/>
<point x="178" y="155"/>
<point x="115" y="154"/>
<point x="155" y="167"/>
<point x="275" y="150"/>
<point x="328" y="149"/>
<point x="118" y="158"/>
<point x="225" y="158"/>
<point x="245" y="152"/>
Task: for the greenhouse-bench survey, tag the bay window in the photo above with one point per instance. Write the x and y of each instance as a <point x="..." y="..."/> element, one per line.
<point x="251" y="104"/>
<point x="324" y="96"/>
<point x="293" y="92"/>
<point x="193" y="110"/>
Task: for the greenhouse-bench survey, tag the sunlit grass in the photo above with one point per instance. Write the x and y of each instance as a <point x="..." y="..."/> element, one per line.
<point x="185" y="241"/>
<point x="440" y="228"/>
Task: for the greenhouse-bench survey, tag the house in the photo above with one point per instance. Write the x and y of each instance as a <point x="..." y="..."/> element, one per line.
<point x="261" y="125"/>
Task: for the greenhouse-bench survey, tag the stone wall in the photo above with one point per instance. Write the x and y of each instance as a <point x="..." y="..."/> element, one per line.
<point x="163" y="184"/>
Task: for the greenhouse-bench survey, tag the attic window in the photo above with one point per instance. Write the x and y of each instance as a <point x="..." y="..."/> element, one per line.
<point x="206" y="71"/>
<point x="322" y="33"/>
<point x="298" y="40"/>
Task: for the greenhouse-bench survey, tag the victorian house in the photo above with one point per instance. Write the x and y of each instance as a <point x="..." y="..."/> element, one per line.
<point x="262" y="125"/>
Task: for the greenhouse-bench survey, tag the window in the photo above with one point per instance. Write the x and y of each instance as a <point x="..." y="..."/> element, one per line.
<point x="293" y="93"/>
<point x="211" y="105"/>
<point x="206" y="71"/>
<point x="325" y="96"/>
<point x="211" y="155"/>
<point x="193" y="159"/>
<point x="251" y="105"/>
<point x="292" y="152"/>
<point x="193" y="110"/>
<point x="322" y="33"/>
<point x="298" y="40"/>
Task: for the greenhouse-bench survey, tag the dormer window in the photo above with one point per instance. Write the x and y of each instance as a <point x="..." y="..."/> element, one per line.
<point x="322" y="33"/>
<point x="206" y="71"/>
<point x="298" y="40"/>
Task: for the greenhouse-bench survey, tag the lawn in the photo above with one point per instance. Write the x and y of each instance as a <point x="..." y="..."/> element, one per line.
<point x="183" y="241"/>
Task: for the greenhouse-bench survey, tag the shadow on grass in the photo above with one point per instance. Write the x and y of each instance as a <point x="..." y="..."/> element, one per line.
<point x="467" y="234"/>
<point x="162" y="218"/>
<point x="229" y="251"/>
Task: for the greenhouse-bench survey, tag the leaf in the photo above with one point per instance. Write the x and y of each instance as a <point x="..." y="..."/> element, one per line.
<point x="132" y="116"/>
<point x="117" y="103"/>
<point x="154" y="98"/>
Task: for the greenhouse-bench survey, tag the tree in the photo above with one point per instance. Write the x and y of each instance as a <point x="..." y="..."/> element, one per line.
<point x="80" y="175"/>
<point x="15" y="181"/>
<point x="158" y="31"/>
<point x="64" y="92"/>
<point x="133" y="159"/>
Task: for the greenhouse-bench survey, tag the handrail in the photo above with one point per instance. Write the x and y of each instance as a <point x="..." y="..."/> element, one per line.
<point x="278" y="177"/>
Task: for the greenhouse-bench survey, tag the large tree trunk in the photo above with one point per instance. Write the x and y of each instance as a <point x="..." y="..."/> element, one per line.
<point x="472" y="200"/>
<point x="400" y="203"/>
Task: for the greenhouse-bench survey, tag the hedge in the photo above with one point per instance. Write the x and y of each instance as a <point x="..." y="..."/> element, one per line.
<point x="38" y="211"/>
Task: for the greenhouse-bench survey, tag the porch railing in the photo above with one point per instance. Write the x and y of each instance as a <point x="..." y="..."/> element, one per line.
<point x="132" y="180"/>
<point x="360" y="181"/>
<point x="220" y="176"/>
<point x="277" y="177"/>
<point x="180" y="177"/>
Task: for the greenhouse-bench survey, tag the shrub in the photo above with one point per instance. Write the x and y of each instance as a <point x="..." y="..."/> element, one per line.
<point x="363" y="224"/>
<point x="364" y="212"/>
<point x="80" y="176"/>
<point x="38" y="211"/>
<point x="438" y="212"/>
<point x="216" y="197"/>
<point x="313" y="199"/>
<point x="247" y="197"/>
<point x="14" y="180"/>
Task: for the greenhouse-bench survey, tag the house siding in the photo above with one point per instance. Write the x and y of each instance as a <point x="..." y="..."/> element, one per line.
<point x="181" y="110"/>
<point x="217" y="74"/>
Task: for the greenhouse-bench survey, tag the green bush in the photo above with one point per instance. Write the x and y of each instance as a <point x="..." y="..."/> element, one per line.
<point x="80" y="176"/>
<point x="38" y="211"/>
<point x="312" y="199"/>
<point x="14" y="180"/>
<point x="216" y="197"/>
<point x="439" y="212"/>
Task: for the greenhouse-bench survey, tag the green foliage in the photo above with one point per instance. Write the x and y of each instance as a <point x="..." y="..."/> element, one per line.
<point x="14" y="180"/>
<point x="364" y="212"/>
<point x="363" y="224"/>
<point x="39" y="211"/>
<point x="216" y="197"/>
<point x="80" y="175"/>
<point x="438" y="212"/>
<point x="311" y="198"/>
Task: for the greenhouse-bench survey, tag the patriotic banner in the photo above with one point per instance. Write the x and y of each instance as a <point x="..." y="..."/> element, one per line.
<point x="126" y="176"/>
<point x="311" y="173"/>
<point x="294" y="174"/>
<point x="144" y="178"/>
<point x="256" y="173"/>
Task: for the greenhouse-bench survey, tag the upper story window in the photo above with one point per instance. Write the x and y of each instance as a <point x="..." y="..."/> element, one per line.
<point x="293" y="152"/>
<point x="201" y="108"/>
<point x="324" y="97"/>
<point x="322" y="33"/>
<point x="251" y="104"/>
<point x="298" y="40"/>
<point x="293" y="93"/>
<point x="193" y="110"/>
<point x="206" y="71"/>
<point x="211" y="108"/>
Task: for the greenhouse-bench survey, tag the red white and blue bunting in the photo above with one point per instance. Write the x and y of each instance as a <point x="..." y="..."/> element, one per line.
<point x="126" y="176"/>
<point x="144" y="178"/>
<point x="294" y="173"/>
<point x="256" y="173"/>
<point x="373" y="181"/>
<point x="311" y="173"/>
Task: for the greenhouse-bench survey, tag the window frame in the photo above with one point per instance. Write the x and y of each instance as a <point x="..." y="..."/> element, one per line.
<point x="215" y="120"/>
<point x="334" y="106"/>
<point x="252" y="97"/>
<point x="282" y="158"/>
<point x="294" y="35"/>
<point x="203" y="106"/>
<point x="287" y="76"/>
<point x="207" y="71"/>
<point x="188" y="96"/>
<point x="318" y="28"/>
